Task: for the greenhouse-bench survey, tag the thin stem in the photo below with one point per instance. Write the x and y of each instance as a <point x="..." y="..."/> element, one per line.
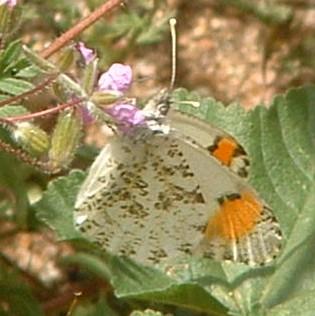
<point x="6" y="122"/>
<point x="29" y="93"/>
<point x="21" y="154"/>
<point x="65" y="38"/>
<point x="64" y="299"/>
<point x="57" y="108"/>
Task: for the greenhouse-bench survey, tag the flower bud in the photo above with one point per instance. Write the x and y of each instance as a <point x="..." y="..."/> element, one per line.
<point x="65" y="59"/>
<point x="87" y="54"/>
<point x="42" y="63"/>
<point x="65" y="140"/>
<point x="89" y="76"/>
<point x="105" y="97"/>
<point x="32" y="138"/>
<point x="9" y="17"/>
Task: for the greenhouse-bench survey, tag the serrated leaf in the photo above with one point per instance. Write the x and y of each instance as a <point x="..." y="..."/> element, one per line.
<point x="14" y="86"/>
<point x="55" y="208"/>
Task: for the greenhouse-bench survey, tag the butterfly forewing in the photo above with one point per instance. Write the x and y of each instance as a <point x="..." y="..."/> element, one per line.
<point x="215" y="142"/>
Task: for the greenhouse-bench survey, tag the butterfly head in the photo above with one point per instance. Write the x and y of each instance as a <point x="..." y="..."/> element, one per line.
<point x="131" y="120"/>
<point x="158" y="105"/>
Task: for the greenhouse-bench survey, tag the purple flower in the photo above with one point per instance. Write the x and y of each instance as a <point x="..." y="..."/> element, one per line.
<point x="88" y="54"/>
<point x="9" y="3"/>
<point x="126" y="115"/>
<point x="118" y="78"/>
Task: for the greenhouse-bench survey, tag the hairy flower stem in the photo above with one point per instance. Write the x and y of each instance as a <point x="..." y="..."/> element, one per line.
<point x="23" y="156"/>
<point x="30" y="92"/>
<point x="53" y="110"/>
<point x="68" y="36"/>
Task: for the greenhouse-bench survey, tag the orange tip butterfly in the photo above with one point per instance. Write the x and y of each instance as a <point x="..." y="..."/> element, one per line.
<point x="172" y="185"/>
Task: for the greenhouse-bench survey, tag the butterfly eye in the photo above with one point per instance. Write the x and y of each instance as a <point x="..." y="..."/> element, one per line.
<point x="163" y="107"/>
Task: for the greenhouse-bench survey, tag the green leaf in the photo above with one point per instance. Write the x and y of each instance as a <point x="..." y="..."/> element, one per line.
<point x="269" y="13"/>
<point x="303" y="305"/>
<point x="152" y="32"/>
<point x="28" y="72"/>
<point x="12" y="178"/>
<point x="55" y="208"/>
<point x="12" y="110"/>
<point x="297" y="270"/>
<point x="14" y="86"/>
<point x="126" y="23"/>
<point x="17" y="297"/>
<point x="132" y="280"/>
<point x="99" y="308"/>
<point x="10" y="55"/>
<point x="91" y="263"/>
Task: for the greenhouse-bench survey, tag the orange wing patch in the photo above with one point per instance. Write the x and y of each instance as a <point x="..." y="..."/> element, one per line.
<point x="224" y="150"/>
<point x="237" y="217"/>
<point x="230" y="154"/>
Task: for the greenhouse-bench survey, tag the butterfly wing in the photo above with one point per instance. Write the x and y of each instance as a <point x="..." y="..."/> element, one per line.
<point x="164" y="196"/>
<point x="216" y="142"/>
<point x="93" y="183"/>
<point x="148" y="205"/>
<point x="242" y="228"/>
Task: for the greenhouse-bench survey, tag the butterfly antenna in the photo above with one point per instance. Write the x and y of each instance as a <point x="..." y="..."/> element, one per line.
<point x="172" y="23"/>
<point x="161" y="101"/>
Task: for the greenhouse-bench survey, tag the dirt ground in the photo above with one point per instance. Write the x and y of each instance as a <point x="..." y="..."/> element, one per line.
<point x="232" y="55"/>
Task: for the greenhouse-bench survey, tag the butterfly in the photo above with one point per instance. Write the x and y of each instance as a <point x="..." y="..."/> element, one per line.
<point x="172" y="187"/>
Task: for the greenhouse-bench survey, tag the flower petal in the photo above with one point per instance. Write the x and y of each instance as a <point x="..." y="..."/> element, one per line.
<point x="88" y="54"/>
<point x="126" y="115"/>
<point x="117" y="78"/>
<point x="10" y="3"/>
